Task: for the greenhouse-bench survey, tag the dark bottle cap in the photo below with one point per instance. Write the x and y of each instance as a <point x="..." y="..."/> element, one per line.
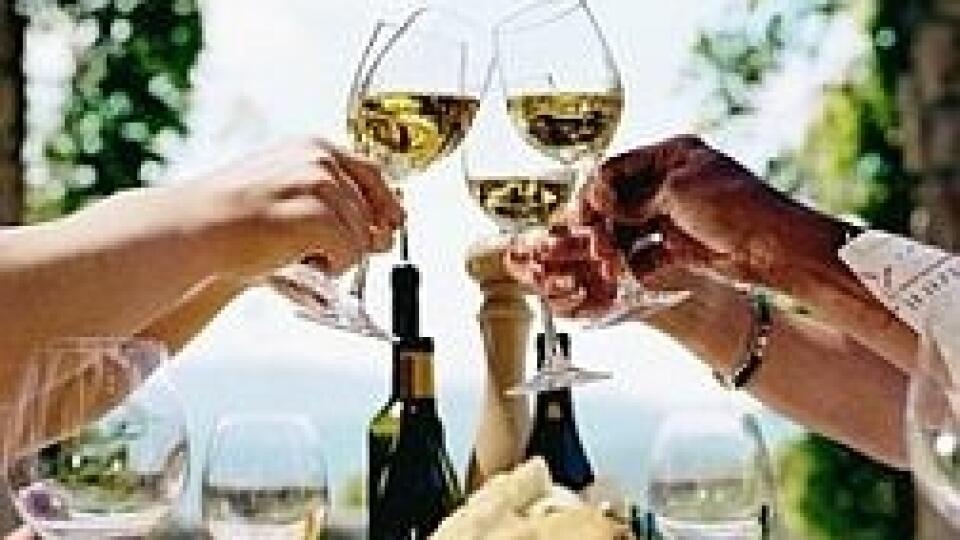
<point x="405" y="286"/>
<point x="563" y="342"/>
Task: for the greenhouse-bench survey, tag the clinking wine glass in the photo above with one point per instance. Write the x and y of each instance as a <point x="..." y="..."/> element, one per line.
<point x="564" y="93"/>
<point x="520" y="190"/>
<point x="413" y="100"/>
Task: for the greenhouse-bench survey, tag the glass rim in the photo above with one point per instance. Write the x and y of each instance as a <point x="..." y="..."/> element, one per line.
<point x="513" y="22"/>
<point x="367" y="69"/>
<point x="231" y="420"/>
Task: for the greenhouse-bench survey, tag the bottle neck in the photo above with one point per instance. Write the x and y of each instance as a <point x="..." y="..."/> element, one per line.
<point x="412" y="374"/>
<point x="405" y="287"/>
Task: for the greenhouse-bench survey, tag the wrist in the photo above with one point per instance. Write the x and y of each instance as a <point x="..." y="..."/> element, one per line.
<point x="795" y="250"/>
<point x="209" y="228"/>
<point x="714" y="323"/>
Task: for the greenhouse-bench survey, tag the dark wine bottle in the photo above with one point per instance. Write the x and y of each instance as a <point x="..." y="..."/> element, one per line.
<point x="385" y="425"/>
<point x="554" y="436"/>
<point x="412" y="483"/>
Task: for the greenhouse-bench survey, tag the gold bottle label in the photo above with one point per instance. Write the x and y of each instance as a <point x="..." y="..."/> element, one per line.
<point x="418" y="371"/>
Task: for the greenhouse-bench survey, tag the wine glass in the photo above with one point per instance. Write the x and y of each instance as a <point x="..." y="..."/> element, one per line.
<point x="318" y="295"/>
<point x="415" y="94"/>
<point x="708" y="478"/>
<point x="564" y="93"/>
<point x="121" y="465"/>
<point x="933" y="412"/>
<point x="264" y="477"/>
<point x="520" y="190"/>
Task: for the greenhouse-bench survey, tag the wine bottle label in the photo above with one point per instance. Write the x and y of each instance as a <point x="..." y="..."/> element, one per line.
<point x="908" y="277"/>
<point x="417" y="374"/>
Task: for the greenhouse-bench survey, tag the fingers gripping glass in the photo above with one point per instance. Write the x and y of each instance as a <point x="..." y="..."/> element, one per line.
<point x="413" y="99"/>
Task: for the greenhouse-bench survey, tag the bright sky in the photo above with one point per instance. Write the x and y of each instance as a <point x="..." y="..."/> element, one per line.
<point x="276" y="69"/>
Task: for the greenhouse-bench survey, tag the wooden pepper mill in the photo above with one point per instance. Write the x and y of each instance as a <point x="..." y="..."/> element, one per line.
<point x="505" y="323"/>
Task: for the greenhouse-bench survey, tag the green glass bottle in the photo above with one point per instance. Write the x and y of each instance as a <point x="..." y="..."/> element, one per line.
<point x="412" y="485"/>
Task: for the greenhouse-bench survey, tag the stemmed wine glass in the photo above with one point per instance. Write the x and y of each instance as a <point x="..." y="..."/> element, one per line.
<point x="520" y="190"/>
<point x="115" y="476"/>
<point x="264" y="477"/>
<point x="413" y="100"/>
<point x="564" y="93"/>
<point x="709" y="477"/>
<point x="933" y="412"/>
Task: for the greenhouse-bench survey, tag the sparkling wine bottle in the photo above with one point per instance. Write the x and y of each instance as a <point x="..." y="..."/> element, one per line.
<point x="412" y="483"/>
<point x="554" y="435"/>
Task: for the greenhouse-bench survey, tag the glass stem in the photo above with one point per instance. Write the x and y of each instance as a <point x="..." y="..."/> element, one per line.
<point x="359" y="284"/>
<point x="403" y="235"/>
<point x="552" y="362"/>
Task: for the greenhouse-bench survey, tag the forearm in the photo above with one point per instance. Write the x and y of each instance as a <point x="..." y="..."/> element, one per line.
<point x="811" y="373"/>
<point x="176" y="328"/>
<point x="86" y="392"/>
<point x="795" y="251"/>
<point x="54" y="274"/>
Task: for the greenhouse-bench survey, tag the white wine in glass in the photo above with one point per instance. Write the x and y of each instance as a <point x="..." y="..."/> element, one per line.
<point x="407" y="132"/>
<point x="568" y="126"/>
<point x="517" y="202"/>
<point x="564" y="95"/>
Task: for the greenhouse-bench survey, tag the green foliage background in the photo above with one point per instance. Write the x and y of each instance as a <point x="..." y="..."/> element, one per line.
<point x="127" y="100"/>
<point x="852" y="164"/>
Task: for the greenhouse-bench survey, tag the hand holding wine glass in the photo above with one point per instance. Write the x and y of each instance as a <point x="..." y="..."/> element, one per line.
<point x="303" y="198"/>
<point x="415" y="93"/>
<point x="693" y="200"/>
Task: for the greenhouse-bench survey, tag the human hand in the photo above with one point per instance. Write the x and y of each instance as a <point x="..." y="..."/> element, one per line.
<point x="306" y="199"/>
<point x="701" y="207"/>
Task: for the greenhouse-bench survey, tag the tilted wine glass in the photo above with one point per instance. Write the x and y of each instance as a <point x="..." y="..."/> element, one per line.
<point x="413" y="101"/>
<point x="565" y="94"/>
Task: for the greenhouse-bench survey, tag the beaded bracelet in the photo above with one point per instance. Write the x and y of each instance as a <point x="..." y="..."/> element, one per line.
<point x="757" y="344"/>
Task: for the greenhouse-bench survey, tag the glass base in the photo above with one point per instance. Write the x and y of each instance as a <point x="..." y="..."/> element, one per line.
<point x="634" y="303"/>
<point x="558" y="379"/>
<point x="322" y="303"/>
